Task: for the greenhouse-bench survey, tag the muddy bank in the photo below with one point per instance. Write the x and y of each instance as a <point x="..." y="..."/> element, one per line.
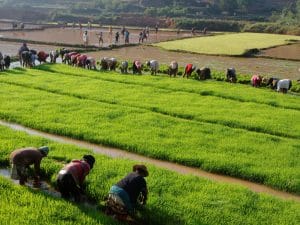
<point x="8" y="26"/>
<point x="74" y="35"/>
<point x="284" y="52"/>
<point x="117" y="153"/>
<point x="11" y="48"/>
<point x="269" y="67"/>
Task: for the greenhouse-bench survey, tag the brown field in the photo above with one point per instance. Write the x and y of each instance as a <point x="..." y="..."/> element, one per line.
<point x="284" y="52"/>
<point x="263" y="66"/>
<point x="74" y="35"/>
<point x="269" y="67"/>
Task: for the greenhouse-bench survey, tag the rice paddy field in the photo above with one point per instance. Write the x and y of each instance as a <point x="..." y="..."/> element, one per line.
<point x="228" y="44"/>
<point x="173" y="199"/>
<point x="229" y="129"/>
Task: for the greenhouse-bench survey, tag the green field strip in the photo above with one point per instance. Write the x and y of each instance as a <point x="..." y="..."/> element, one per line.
<point x="256" y="157"/>
<point x="186" y="106"/>
<point x="208" y="88"/>
<point x="21" y="205"/>
<point x="173" y="198"/>
<point x="166" y="113"/>
<point x="236" y="44"/>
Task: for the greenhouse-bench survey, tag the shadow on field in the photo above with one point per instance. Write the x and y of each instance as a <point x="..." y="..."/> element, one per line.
<point x="89" y="210"/>
<point x="155" y="215"/>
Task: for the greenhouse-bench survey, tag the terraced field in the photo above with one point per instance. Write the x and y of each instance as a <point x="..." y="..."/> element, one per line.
<point x="174" y="199"/>
<point x="228" y="44"/>
<point x="229" y="129"/>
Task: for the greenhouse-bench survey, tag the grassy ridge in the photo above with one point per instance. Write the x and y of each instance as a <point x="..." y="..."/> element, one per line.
<point x="173" y="199"/>
<point x="246" y="115"/>
<point x="228" y="44"/>
<point x="240" y="93"/>
<point x="258" y="157"/>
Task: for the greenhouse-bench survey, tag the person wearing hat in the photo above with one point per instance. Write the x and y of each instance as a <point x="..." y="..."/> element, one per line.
<point x="71" y="177"/>
<point x="132" y="189"/>
<point x="21" y="159"/>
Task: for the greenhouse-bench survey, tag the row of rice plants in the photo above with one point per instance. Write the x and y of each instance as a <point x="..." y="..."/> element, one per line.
<point x="237" y="92"/>
<point x="254" y="156"/>
<point x="20" y="205"/>
<point x="228" y="44"/>
<point x="173" y="198"/>
<point x="245" y="115"/>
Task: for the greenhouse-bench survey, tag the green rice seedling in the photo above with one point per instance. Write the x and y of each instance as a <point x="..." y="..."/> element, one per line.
<point x="254" y="156"/>
<point x="21" y="205"/>
<point x="204" y="107"/>
<point x="235" y="92"/>
<point x="228" y="44"/>
<point x="173" y="198"/>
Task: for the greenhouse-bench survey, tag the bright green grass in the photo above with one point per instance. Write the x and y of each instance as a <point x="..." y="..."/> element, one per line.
<point x="245" y="115"/>
<point x="237" y="92"/>
<point x="173" y="198"/>
<point x="228" y="44"/>
<point x="255" y="156"/>
<point x="19" y="205"/>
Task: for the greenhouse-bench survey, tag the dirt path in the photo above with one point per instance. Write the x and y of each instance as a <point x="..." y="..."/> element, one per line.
<point x="117" y="153"/>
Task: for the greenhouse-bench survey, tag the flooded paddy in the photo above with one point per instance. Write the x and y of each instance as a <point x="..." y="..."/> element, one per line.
<point x="8" y="25"/>
<point x="264" y="66"/>
<point x="11" y="48"/>
<point x="74" y="35"/>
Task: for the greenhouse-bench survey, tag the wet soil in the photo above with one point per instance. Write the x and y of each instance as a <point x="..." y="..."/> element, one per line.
<point x="74" y="36"/>
<point x="263" y="66"/>
<point x="284" y="52"/>
<point x="44" y="186"/>
<point x="8" y="25"/>
<point x="117" y="153"/>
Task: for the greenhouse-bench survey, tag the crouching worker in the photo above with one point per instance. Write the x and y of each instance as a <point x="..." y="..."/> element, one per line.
<point x="21" y="159"/>
<point x="71" y="177"/>
<point x="130" y="192"/>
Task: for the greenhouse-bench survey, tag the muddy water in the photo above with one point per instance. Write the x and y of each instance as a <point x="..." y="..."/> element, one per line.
<point x="74" y="35"/>
<point x="8" y="25"/>
<point x="44" y="186"/>
<point x="48" y="189"/>
<point x="286" y="52"/>
<point x="117" y="153"/>
<point x="270" y="67"/>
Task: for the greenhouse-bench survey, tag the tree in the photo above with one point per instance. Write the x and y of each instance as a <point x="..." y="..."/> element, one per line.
<point x="228" y="5"/>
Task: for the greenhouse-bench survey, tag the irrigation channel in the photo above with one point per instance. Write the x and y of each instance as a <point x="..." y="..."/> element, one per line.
<point x="117" y="153"/>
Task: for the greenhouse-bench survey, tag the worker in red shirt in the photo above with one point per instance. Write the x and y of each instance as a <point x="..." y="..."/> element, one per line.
<point x="189" y="68"/>
<point x="71" y="177"/>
